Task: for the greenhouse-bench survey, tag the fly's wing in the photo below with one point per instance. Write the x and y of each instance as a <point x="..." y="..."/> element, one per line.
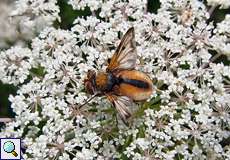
<point x="121" y="104"/>
<point x="125" y="55"/>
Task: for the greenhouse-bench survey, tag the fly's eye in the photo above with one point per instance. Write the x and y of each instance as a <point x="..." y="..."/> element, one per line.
<point x="89" y="87"/>
<point x="90" y="74"/>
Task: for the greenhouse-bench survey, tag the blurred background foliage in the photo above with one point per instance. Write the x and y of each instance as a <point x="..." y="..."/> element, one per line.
<point x="68" y="15"/>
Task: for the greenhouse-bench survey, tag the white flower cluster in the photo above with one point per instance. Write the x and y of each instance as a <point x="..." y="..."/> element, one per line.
<point x="15" y="64"/>
<point x="188" y="116"/>
<point x="36" y="13"/>
<point x="22" y="20"/>
<point x="7" y="32"/>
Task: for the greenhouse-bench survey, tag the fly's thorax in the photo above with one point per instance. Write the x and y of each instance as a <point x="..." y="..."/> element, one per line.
<point x="105" y="81"/>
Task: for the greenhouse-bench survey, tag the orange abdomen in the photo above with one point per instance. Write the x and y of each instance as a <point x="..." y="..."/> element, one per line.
<point x="134" y="84"/>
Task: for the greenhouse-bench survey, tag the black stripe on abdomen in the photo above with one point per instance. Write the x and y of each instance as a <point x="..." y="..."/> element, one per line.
<point x="134" y="82"/>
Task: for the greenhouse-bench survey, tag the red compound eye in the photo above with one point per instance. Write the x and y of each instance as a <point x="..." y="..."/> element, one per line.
<point x="89" y="87"/>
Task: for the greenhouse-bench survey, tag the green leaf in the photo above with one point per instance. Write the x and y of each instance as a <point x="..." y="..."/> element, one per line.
<point x="69" y="135"/>
<point x="185" y="66"/>
<point x="127" y="142"/>
<point x="141" y="133"/>
<point x="39" y="71"/>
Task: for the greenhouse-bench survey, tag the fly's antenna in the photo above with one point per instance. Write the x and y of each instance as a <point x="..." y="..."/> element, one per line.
<point x="88" y="100"/>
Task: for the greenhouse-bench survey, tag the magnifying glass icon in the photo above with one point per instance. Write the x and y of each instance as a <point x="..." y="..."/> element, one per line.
<point x="9" y="147"/>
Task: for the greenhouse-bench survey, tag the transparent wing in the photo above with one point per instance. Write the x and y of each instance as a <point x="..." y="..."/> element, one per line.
<point x="125" y="55"/>
<point x="121" y="103"/>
